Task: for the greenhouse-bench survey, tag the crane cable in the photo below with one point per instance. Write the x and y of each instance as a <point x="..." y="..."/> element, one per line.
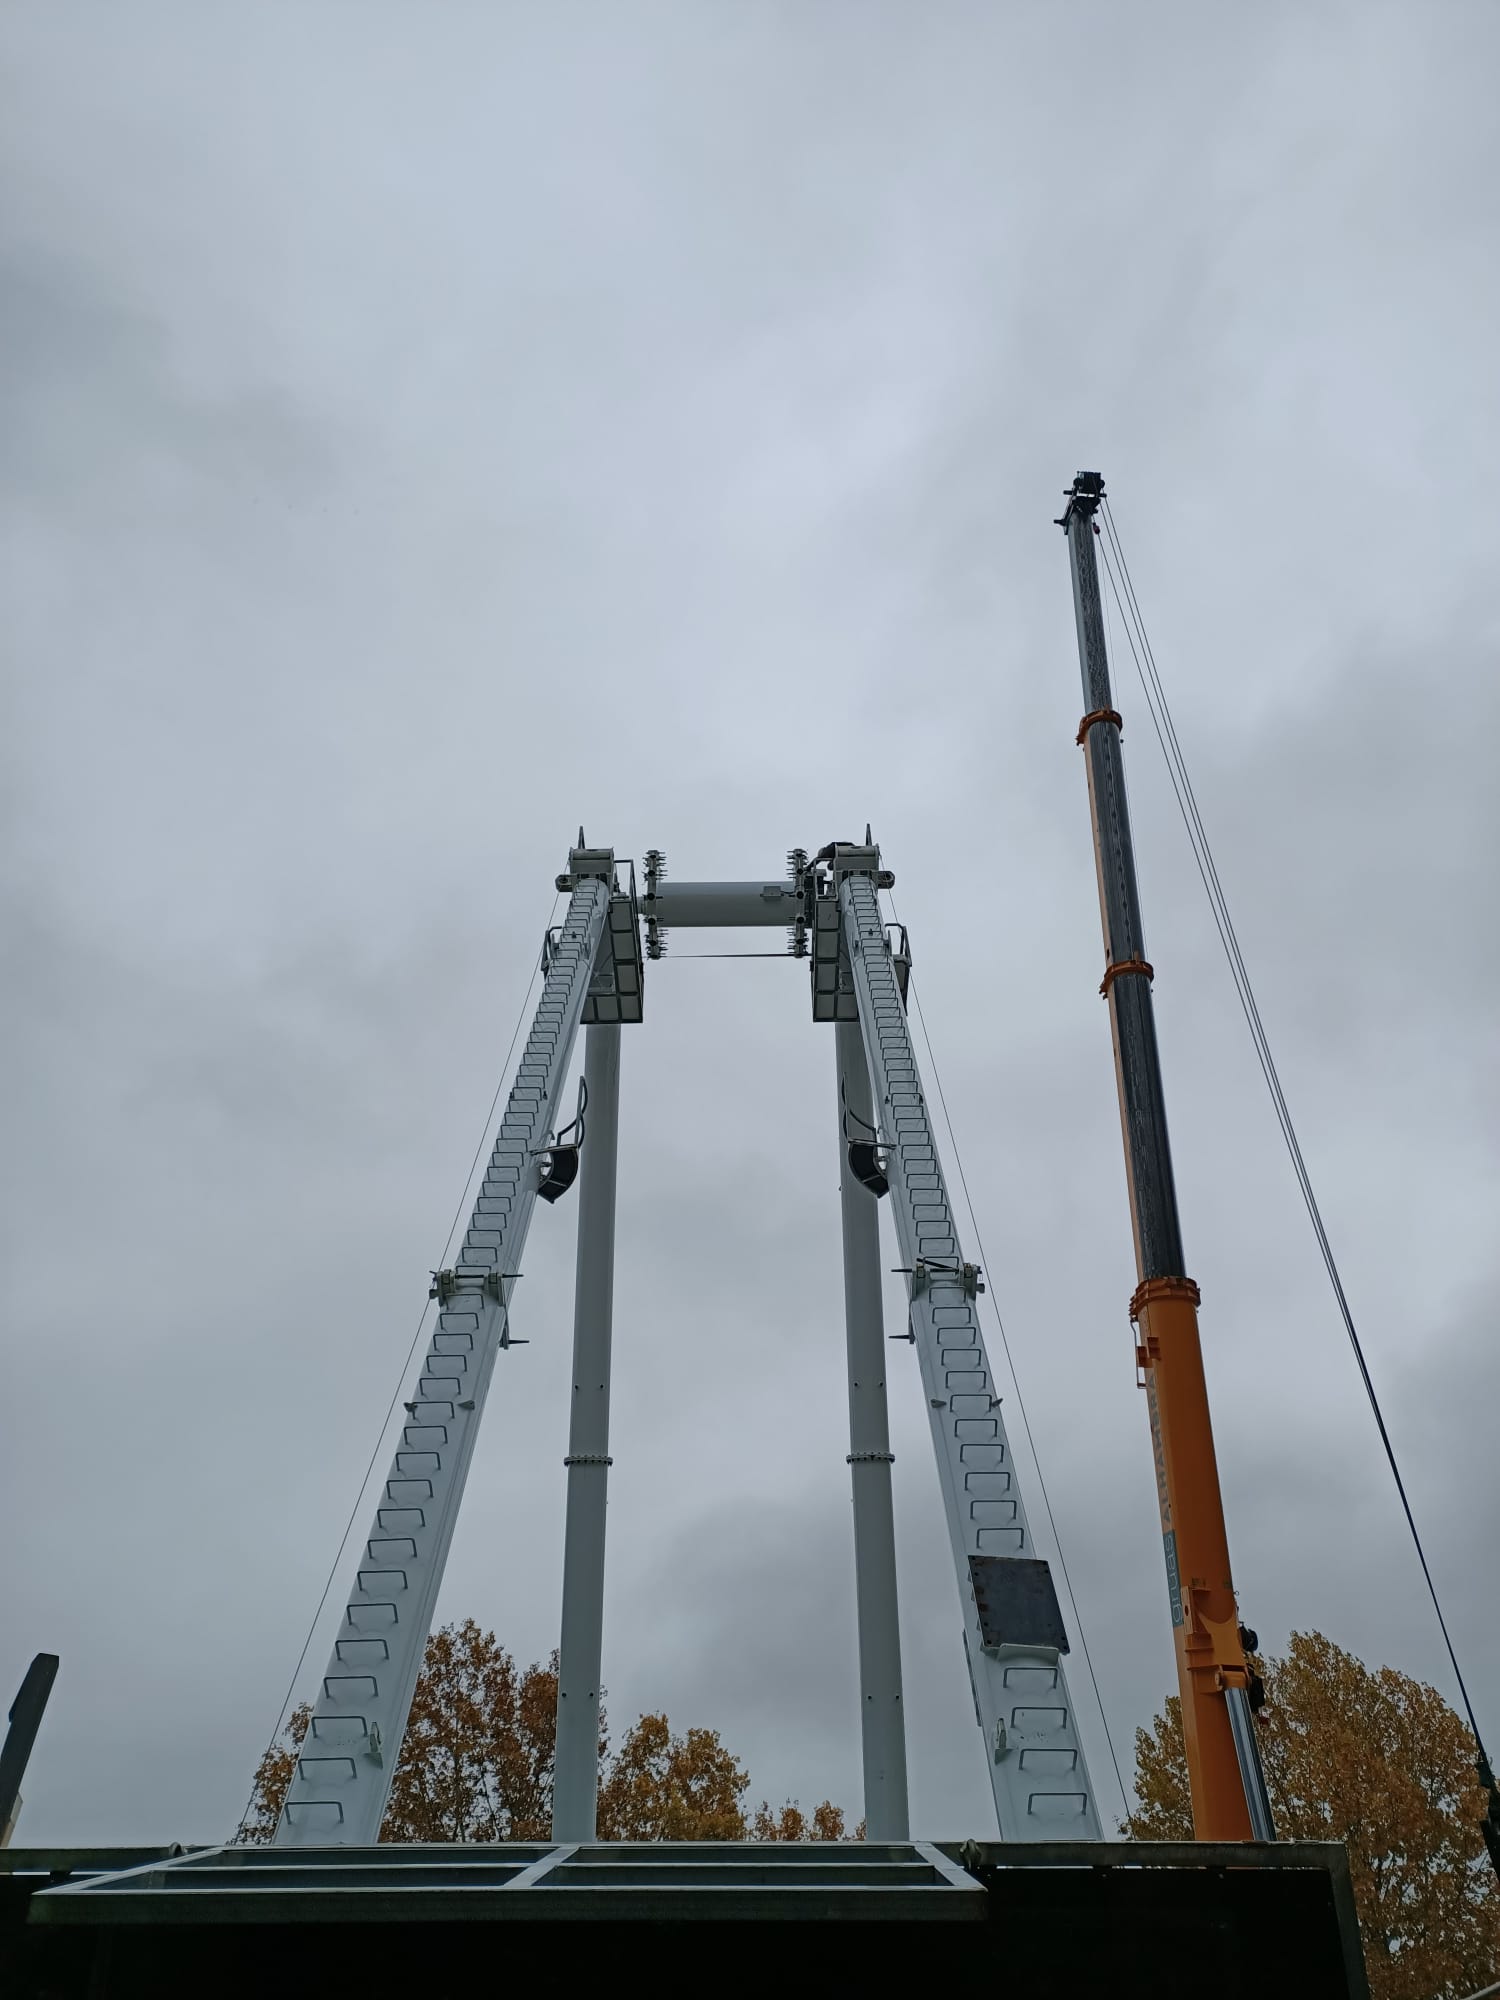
<point x="489" y="1119"/>
<point x="1129" y="609"/>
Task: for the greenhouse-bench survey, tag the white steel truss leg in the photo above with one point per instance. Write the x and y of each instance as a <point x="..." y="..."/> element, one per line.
<point x="881" y="1715"/>
<point x="575" y="1797"/>
<point x="1013" y="1629"/>
<point x="338" y="1792"/>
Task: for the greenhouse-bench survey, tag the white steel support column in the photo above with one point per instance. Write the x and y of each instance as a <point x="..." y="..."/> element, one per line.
<point x="575" y="1797"/>
<point x="882" y="1718"/>
<point x="1013" y="1632"/>
<point x="338" y="1792"/>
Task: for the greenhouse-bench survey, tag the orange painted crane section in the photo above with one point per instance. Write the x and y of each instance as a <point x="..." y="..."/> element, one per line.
<point x="1219" y="1690"/>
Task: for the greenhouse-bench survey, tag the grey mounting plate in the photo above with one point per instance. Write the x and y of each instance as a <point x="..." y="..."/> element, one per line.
<point x="1017" y="1602"/>
<point x="617" y="989"/>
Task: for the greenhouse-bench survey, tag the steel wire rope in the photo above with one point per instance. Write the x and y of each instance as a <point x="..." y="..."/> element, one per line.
<point x="1036" y="1458"/>
<point x="1187" y="803"/>
<point x="385" y="1421"/>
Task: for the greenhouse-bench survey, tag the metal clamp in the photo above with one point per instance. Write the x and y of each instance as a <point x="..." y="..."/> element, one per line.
<point x="926" y="1272"/>
<point x="445" y="1285"/>
<point x="1151" y="1289"/>
<point x="1122" y="966"/>
<point x="797" y="943"/>
<point x="656" y="931"/>
<point x="1098" y="715"/>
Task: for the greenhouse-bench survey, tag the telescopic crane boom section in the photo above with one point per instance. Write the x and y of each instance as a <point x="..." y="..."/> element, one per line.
<point x="1217" y="1686"/>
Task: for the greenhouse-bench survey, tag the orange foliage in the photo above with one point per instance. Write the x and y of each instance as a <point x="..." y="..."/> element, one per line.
<point x="1382" y="1763"/>
<point x="477" y="1761"/>
<point x="664" y="1787"/>
<point x="791" y="1823"/>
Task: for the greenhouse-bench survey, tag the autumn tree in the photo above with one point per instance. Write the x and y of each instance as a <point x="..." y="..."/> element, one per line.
<point x="272" y="1776"/>
<point x="791" y="1823"/>
<point x="664" y="1787"/>
<point x="1382" y="1763"/>
<point x="477" y="1762"/>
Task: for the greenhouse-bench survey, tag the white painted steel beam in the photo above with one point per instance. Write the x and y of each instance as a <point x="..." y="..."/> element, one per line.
<point x="1033" y="1748"/>
<point x="338" y="1792"/>
<point x="575" y="1795"/>
<point x="882" y="1716"/>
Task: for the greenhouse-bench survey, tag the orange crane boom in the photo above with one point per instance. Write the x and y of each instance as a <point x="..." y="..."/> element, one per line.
<point x="1219" y="1690"/>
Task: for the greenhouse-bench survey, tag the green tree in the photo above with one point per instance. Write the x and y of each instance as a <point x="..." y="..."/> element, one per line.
<point x="1380" y="1762"/>
<point x="477" y="1762"/>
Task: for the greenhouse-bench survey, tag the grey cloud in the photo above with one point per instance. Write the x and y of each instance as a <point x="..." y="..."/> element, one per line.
<point x="93" y="397"/>
<point x="655" y="418"/>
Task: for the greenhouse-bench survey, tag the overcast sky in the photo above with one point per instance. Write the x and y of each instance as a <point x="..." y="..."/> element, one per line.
<point x="429" y="426"/>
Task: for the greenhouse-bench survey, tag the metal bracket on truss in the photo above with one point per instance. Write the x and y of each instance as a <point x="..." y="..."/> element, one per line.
<point x="927" y="1271"/>
<point x="447" y="1285"/>
<point x="656" y="931"/>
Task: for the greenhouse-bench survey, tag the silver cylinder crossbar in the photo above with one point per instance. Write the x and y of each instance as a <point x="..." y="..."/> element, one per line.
<point x="731" y="905"/>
